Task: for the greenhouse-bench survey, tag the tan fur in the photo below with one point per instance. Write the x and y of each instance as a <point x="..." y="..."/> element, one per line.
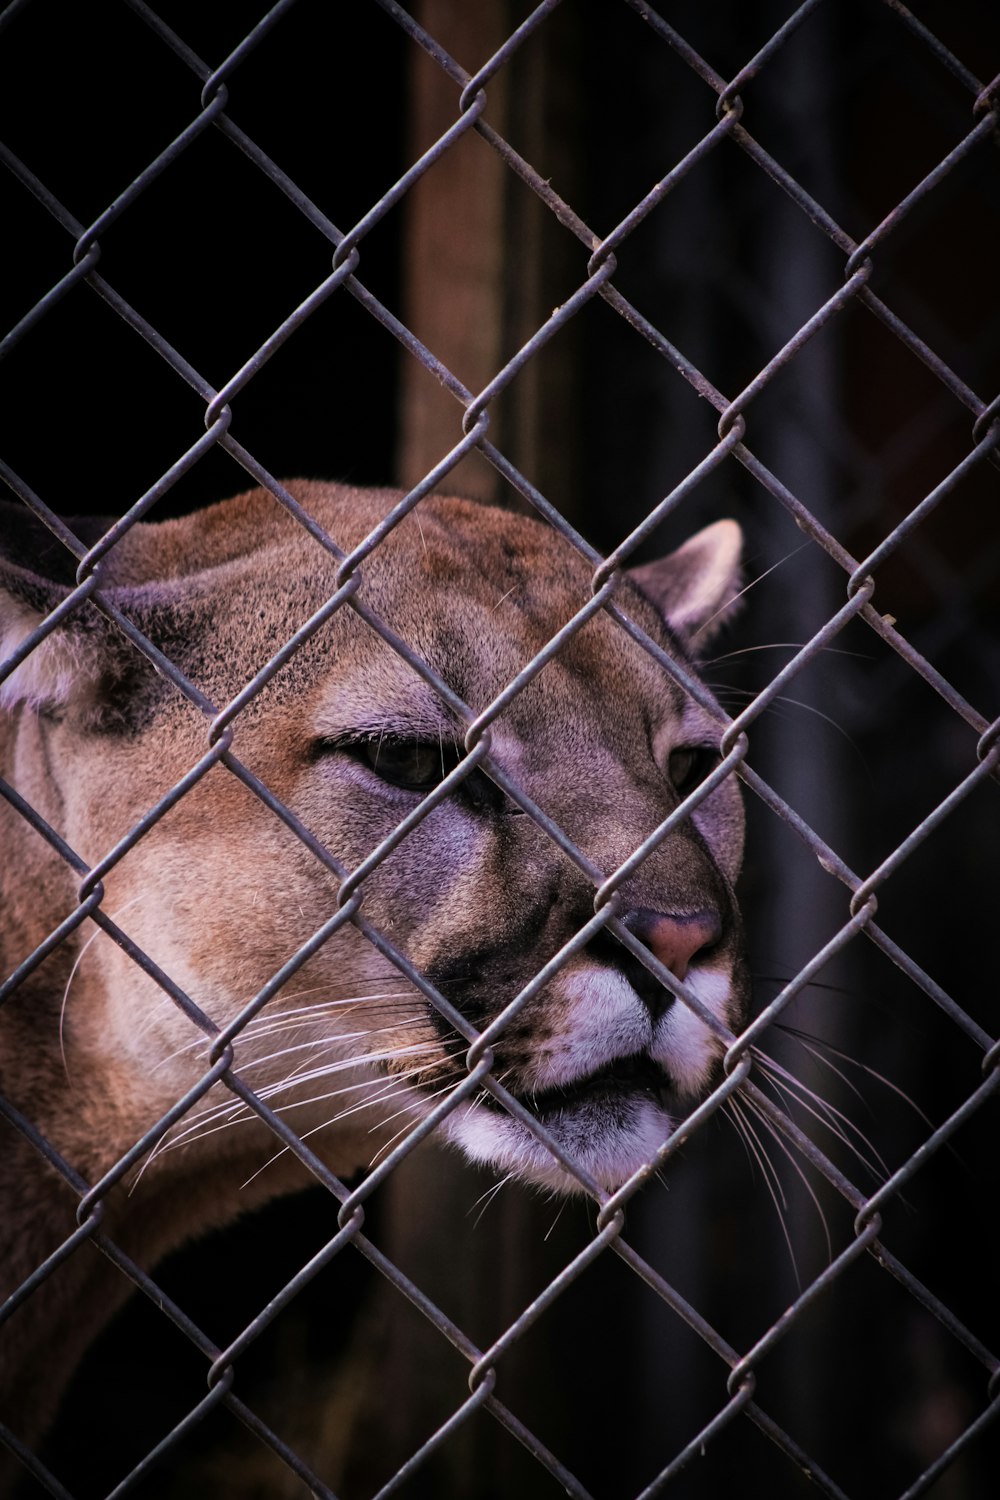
<point x="220" y="893"/>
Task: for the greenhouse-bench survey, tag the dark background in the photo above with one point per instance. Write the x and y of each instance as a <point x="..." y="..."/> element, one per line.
<point x="858" y="109"/>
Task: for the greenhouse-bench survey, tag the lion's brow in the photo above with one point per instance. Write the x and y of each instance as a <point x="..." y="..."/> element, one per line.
<point x="364" y="707"/>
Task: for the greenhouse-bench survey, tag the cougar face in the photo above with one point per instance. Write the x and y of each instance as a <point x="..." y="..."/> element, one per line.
<point x="222" y="894"/>
<point x="601" y="1053"/>
<point x="325" y="880"/>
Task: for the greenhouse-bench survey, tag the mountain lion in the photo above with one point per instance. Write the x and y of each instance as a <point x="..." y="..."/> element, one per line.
<point x="220" y="893"/>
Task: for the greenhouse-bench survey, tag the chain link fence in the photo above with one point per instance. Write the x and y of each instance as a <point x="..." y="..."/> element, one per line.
<point x="690" y="262"/>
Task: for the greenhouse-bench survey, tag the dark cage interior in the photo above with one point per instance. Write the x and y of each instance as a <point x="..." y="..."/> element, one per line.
<point x="750" y="255"/>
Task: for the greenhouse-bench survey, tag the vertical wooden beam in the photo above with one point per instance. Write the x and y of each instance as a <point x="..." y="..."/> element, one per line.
<point x="453" y="272"/>
<point x="484" y="260"/>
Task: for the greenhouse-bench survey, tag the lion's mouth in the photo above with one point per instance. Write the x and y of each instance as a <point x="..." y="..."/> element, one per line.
<point x="610" y="1121"/>
<point x="621" y="1079"/>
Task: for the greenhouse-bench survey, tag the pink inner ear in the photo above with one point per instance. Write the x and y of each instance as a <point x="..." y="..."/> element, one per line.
<point x="50" y="672"/>
<point x="695" y="588"/>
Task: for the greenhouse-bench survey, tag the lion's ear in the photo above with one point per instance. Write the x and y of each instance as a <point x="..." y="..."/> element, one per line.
<point x="61" y="666"/>
<point x="697" y="587"/>
<point x="67" y="666"/>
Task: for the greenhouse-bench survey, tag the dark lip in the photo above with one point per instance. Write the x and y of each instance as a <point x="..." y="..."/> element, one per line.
<point x="624" y="1077"/>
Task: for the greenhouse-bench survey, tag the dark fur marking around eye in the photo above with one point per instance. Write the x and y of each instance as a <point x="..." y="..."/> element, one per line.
<point x="417" y="765"/>
<point x="688" y="765"/>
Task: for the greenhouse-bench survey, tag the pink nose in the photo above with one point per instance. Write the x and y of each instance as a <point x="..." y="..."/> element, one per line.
<point x="675" y="940"/>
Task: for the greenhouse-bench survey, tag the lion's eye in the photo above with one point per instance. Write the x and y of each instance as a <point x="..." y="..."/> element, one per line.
<point x="416" y="765"/>
<point x="690" y="764"/>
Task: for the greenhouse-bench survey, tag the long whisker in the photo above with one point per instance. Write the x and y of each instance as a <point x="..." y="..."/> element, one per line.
<point x="313" y="1074"/>
<point x="299" y="1016"/>
<point x="327" y="1070"/>
<point x="818" y="1048"/>
<point x="747" y="587"/>
<point x="487" y="1198"/>
<point x="212" y="1112"/>
<point x="424" y="1098"/>
<point x="72" y="975"/>
<point x="239" y="1111"/>
<point x="397" y="1085"/>
<point x="721" y="688"/>
<point x="734" y="1111"/>
<point x="307" y="1017"/>
<point x="782" y="646"/>
<point x="800" y="1173"/>
<point x="754" y="1148"/>
<point x="219" y="1116"/>
<point x="407" y="1109"/>
<point x="555" y="1221"/>
<point x="484" y="1094"/>
<point x="841" y="1126"/>
<point x="311" y="1044"/>
<point x="173" y="1137"/>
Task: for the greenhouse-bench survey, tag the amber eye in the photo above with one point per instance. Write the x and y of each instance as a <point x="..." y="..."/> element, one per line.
<point x="690" y="764"/>
<point x="415" y="765"/>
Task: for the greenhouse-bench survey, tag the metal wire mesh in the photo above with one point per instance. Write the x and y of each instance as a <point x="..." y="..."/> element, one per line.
<point x="204" y="102"/>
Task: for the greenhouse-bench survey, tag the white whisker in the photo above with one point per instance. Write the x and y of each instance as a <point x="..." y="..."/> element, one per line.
<point x="756" y="1152"/>
<point x="487" y="1198"/>
<point x="788" y="1087"/>
<point x="818" y="1048"/>
<point x="298" y="1078"/>
<point x="783" y="646"/>
<point x="434" y="1094"/>
<point x="747" y="587"/>
<point x="298" y="1016"/>
<point x="562" y="1205"/>
<point x="244" y="1065"/>
<point x="217" y="1117"/>
<point x="72" y="975"/>
<point x="775" y="1189"/>
<point x="397" y="1085"/>
<point x="800" y="1173"/>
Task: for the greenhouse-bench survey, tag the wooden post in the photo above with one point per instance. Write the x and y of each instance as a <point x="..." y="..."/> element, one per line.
<point x="484" y="262"/>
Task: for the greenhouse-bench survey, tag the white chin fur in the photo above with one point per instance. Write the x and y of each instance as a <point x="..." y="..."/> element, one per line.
<point x="601" y="1018"/>
<point x="682" y="1045"/>
<point x="610" y="1149"/>
<point x="610" y="1139"/>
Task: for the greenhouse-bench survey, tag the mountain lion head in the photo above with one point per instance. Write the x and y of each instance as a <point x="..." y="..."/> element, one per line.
<point x="235" y="890"/>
